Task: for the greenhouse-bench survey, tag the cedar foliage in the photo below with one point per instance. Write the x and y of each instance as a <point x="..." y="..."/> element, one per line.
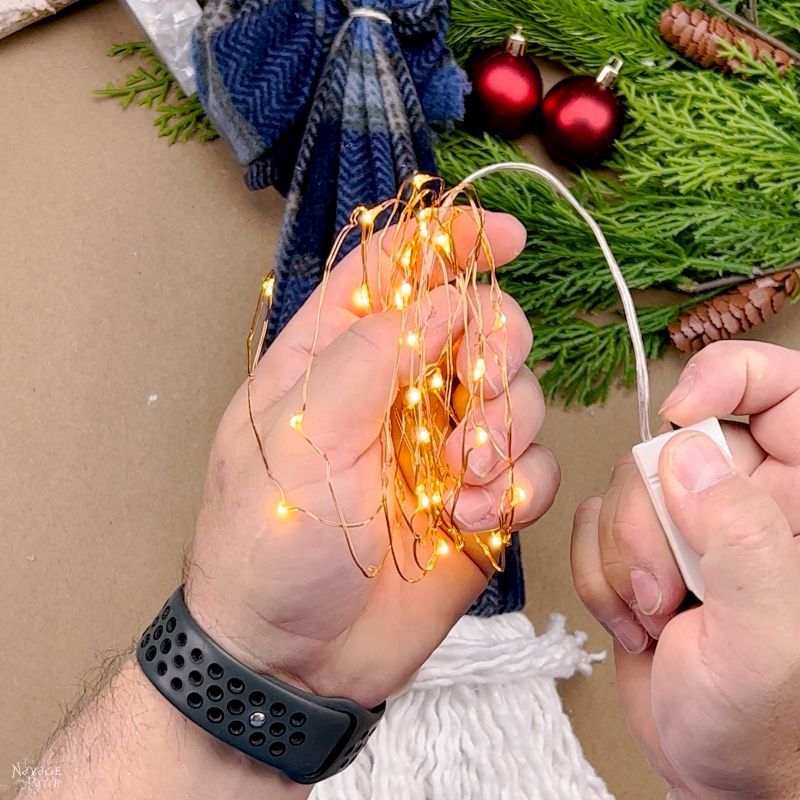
<point x="706" y="179"/>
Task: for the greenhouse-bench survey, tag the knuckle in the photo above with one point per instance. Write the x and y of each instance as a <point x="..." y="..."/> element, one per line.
<point x="369" y="334"/>
<point x="750" y="526"/>
<point x="589" y="586"/>
<point x="610" y="556"/>
<point x="627" y="532"/>
<point x="588" y="511"/>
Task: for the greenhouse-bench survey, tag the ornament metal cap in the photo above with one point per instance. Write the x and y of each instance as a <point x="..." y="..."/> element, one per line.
<point x="610" y="72"/>
<point x="515" y="44"/>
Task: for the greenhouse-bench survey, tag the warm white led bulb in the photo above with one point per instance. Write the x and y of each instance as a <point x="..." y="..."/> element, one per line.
<point x="443" y="242"/>
<point x="495" y="541"/>
<point x="406" y="289"/>
<point x="413" y="395"/>
<point x="361" y="297"/>
<point x="420" y="179"/>
<point x="518" y="495"/>
<point x="442" y="548"/>
<point x="424" y="435"/>
<point x="479" y="370"/>
<point x="481" y="436"/>
<point x="412" y="339"/>
<point x="367" y="217"/>
<point x="437" y="380"/>
<point x="282" y="510"/>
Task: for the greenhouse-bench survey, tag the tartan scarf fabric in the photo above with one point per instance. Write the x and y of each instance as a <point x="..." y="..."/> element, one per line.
<point x="332" y="108"/>
<point x="335" y="106"/>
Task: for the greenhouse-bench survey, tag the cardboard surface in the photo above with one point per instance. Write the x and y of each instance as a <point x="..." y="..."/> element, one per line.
<point x="129" y="271"/>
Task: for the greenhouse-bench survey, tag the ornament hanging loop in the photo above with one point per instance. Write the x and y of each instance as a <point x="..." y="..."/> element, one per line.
<point x="610" y="72"/>
<point x="516" y="42"/>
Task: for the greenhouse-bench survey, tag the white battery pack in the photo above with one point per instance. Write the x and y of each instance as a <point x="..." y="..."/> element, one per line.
<point x="646" y="457"/>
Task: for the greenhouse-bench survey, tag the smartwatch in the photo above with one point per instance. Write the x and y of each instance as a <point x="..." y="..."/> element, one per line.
<point x="307" y="737"/>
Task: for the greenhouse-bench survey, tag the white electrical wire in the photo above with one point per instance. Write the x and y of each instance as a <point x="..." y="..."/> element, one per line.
<point x="629" y="307"/>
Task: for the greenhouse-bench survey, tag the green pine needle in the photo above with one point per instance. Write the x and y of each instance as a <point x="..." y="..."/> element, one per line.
<point x="151" y="85"/>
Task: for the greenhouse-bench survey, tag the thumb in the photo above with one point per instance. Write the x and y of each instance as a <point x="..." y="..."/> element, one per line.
<point x="353" y="382"/>
<point x="749" y="559"/>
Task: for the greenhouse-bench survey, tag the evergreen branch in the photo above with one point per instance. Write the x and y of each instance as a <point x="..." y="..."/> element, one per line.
<point x="178" y="117"/>
<point x="585" y="360"/>
<point x="781" y="18"/>
<point x="702" y="130"/>
<point x="663" y="240"/>
<point x="579" y="33"/>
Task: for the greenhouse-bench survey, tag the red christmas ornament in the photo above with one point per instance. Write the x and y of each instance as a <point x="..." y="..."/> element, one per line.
<point x="506" y="88"/>
<point x="582" y="117"/>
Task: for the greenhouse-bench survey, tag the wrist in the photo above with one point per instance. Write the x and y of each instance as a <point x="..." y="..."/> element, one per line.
<point x="268" y="650"/>
<point x="130" y="742"/>
<point x="221" y="770"/>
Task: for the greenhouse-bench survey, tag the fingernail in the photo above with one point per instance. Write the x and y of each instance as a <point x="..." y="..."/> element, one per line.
<point x="483" y="458"/>
<point x="474" y="506"/>
<point x="630" y="634"/>
<point x="681" y="391"/>
<point x="698" y="463"/>
<point x="647" y="591"/>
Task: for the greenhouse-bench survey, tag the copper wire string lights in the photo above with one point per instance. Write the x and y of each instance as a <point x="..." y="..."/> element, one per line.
<point x="411" y="236"/>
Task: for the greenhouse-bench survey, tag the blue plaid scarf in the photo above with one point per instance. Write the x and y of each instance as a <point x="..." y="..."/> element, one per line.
<point x="328" y="106"/>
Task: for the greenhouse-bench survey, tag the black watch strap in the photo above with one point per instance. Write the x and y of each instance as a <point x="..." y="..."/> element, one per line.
<point x="305" y="736"/>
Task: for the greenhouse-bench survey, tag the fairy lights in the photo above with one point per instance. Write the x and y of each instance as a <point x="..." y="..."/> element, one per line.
<point x="413" y="395"/>
<point x="420" y="489"/>
<point x="361" y="298"/>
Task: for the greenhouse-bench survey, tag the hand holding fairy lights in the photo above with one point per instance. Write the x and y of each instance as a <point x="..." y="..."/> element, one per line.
<point x="394" y="419"/>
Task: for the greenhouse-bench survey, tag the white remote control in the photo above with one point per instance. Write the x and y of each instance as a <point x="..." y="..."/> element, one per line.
<point x="646" y="457"/>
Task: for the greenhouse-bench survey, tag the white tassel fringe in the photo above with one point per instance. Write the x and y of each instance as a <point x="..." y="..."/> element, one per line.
<point x="482" y="721"/>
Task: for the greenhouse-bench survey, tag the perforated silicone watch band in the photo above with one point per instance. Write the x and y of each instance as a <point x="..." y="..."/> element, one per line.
<point x="307" y="737"/>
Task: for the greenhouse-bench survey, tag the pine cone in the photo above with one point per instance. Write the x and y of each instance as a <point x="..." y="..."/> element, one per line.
<point x="741" y="309"/>
<point x="696" y="35"/>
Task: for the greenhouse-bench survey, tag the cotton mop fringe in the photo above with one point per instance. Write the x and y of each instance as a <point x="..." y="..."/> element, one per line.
<point x="482" y="721"/>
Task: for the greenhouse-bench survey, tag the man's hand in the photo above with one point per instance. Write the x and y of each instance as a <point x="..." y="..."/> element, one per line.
<point x="283" y="594"/>
<point x="715" y="703"/>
